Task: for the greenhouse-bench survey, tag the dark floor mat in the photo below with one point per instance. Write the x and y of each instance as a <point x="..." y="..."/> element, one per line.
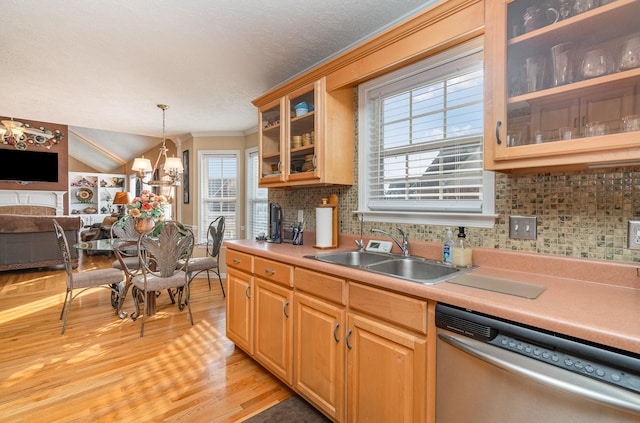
<point x="293" y="409"/>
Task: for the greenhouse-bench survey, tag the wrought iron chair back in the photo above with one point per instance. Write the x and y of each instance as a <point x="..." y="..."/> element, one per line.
<point x="163" y="262"/>
<point x="215" y="235"/>
<point x="109" y="278"/>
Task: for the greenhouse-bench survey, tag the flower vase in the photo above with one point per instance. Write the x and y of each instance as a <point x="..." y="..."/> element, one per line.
<point x="144" y="225"/>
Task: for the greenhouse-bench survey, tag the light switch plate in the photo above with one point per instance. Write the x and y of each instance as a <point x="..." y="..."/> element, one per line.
<point x="523" y="227"/>
<point x="300" y="216"/>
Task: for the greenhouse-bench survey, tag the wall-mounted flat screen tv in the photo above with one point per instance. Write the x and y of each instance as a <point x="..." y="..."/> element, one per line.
<point x="28" y="166"/>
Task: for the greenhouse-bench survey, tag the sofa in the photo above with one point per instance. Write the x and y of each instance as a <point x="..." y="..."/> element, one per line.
<point x="28" y="240"/>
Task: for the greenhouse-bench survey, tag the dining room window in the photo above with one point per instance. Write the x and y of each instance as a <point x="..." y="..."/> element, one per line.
<point x="421" y="142"/>
<point x="257" y="198"/>
<point x="219" y="183"/>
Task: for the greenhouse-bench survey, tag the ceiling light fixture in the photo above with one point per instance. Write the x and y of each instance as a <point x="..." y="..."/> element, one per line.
<point x="21" y="135"/>
<point x="172" y="165"/>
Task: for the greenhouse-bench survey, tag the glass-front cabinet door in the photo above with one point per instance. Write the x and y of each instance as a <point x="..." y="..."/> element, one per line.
<point x="562" y="83"/>
<point x="272" y="150"/>
<point x="304" y="112"/>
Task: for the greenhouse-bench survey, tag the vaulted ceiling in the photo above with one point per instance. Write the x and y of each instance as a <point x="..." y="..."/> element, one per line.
<point x="101" y="67"/>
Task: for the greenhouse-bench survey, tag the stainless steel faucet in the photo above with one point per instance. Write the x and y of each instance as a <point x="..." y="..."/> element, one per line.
<point x="404" y="246"/>
<point x="360" y="242"/>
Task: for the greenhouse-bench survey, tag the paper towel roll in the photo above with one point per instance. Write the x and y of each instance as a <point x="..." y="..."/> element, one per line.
<point x="324" y="226"/>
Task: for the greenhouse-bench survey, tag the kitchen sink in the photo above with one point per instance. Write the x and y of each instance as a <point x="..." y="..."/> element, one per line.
<point x="414" y="269"/>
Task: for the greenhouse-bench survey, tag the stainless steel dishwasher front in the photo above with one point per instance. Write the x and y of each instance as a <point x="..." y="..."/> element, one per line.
<point x="492" y="371"/>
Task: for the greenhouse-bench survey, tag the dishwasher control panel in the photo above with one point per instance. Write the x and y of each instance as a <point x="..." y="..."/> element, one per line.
<point x="585" y="367"/>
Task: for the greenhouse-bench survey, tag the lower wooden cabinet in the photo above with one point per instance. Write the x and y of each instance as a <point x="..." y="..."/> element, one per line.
<point x="240" y="309"/>
<point x="386" y="373"/>
<point x="274" y="328"/>
<point x="319" y="352"/>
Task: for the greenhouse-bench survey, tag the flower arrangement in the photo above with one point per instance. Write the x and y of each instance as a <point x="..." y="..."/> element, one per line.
<point x="147" y="205"/>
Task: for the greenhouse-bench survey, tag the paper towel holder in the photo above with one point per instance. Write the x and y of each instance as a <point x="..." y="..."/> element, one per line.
<point x="331" y="203"/>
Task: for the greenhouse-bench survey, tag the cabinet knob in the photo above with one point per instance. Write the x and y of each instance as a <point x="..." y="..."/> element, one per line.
<point x="247" y="292"/>
<point x="284" y="309"/>
<point x="270" y="272"/>
<point x="235" y="260"/>
<point x="498" y="125"/>
<point x="346" y="339"/>
<point x="335" y="332"/>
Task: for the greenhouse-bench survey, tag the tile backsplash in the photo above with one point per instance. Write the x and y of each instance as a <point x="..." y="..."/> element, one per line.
<point x="580" y="214"/>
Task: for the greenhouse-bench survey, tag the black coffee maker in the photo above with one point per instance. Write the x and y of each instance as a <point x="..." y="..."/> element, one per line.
<point x="275" y="223"/>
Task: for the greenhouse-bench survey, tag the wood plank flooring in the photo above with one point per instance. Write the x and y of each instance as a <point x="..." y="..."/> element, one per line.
<point x="101" y="370"/>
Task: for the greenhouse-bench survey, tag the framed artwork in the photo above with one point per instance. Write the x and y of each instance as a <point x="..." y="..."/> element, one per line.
<point x="185" y="176"/>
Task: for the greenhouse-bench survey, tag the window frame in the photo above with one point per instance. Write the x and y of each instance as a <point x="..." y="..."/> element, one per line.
<point x="203" y="155"/>
<point x="450" y="215"/>
<point x="252" y="181"/>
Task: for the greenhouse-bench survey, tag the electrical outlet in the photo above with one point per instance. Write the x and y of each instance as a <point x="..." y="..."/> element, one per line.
<point x="523" y="227"/>
<point x="633" y="235"/>
<point x="300" y="216"/>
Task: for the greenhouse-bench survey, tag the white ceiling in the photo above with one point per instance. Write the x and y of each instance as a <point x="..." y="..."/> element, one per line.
<point x="105" y="65"/>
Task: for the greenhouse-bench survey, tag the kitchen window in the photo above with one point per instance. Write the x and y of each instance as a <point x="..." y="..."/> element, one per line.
<point x="219" y="178"/>
<point x="257" y="198"/>
<point x="421" y="143"/>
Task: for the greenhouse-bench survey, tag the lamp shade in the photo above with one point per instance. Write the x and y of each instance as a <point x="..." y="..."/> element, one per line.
<point x="173" y="164"/>
<point x="140" y="164"/>
<point x="122" y="198"/>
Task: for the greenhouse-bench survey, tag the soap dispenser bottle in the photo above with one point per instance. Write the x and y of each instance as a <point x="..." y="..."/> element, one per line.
<point x="448" y="244"/>
<point x="461" y="252"/>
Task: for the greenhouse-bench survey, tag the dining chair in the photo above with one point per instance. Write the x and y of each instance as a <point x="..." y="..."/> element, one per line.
<point x="109" y="278"/>
<point x="159" y="258"/>
<point x="124" y="230"/>
<point x="210" y="262"/>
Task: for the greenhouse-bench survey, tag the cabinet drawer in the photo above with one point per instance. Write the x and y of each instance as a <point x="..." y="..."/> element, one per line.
<point x="274" y="271"/>
<point x="398" y="309"/>
<point x="241" y="261"/>
<point x="322" y="286"/>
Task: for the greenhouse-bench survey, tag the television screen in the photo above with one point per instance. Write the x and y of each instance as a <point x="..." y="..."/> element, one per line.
<point x="28" y="166"/>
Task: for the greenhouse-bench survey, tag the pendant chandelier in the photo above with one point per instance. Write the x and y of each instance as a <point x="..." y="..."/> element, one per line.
<point x="172" y="165"/>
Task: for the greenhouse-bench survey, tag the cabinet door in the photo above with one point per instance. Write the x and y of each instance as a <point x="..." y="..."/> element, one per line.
<point x="272" y="149"/>
<point x="584" y="100"/>
<point x="319" y="353"/>
<point x="239" y="309"/>
<point x="386" y="373"/>
<point x="274" y="328"/>
<point x="303" y="131"/>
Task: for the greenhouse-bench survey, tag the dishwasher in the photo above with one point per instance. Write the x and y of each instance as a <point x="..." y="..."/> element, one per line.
<point x="490" y="370"/>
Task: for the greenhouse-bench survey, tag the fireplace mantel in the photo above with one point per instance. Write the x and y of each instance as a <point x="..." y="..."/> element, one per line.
<point x="55" y="199"/>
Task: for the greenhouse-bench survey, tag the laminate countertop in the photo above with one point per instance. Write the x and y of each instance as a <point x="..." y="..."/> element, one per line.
<point x="594" y="300"/>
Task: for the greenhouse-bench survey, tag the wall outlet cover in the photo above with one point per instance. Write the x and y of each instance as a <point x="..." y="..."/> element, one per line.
<point x="633" y="235"/>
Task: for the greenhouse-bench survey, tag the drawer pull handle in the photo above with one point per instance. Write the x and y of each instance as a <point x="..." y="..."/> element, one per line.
<point x="347" y="339"/>
<point x="235" y="260"/>
<point x="498" y="125"/>
<point x="247" y="292"/>
<point x="335" y="332"/>
<point x="286" y="304"/>
<point x="269" y="272"/>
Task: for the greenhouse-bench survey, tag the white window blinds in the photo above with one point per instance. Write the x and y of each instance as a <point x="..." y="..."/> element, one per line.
<point x="424" y="136"/>
<point x="257" y="199"/>
<point x="219" y="183"/>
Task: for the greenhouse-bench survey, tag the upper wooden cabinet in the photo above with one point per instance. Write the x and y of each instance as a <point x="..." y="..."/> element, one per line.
<point x="534" y="119"/>
<point x="312" y="147"/>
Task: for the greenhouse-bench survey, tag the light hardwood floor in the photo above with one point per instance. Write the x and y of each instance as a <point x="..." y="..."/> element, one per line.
<point x="101" y="370"/>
